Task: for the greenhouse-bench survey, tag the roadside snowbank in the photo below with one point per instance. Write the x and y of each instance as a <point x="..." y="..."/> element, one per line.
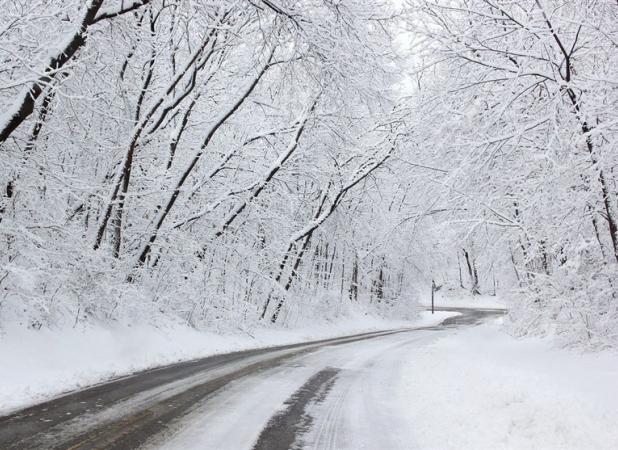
<point x="482" y="389"/>
<point x="37" y="365"/>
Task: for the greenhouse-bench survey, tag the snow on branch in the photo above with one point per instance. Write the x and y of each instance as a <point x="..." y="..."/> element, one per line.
<point x="121" y="7"/>
<point x="272" y="171"/>
<point x="362" y="172"/>
<point x="60" y="53"/>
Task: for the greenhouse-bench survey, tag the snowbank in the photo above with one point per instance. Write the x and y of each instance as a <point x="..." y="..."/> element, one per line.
<point x="482" y="389"/>
<point x="37" y="365"/>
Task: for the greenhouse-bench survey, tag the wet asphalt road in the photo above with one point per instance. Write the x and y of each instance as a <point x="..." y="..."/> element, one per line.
<point x="128" y="412"/>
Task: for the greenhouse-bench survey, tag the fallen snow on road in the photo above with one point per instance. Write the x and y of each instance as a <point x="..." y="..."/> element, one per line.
<point x="234" y="418"/>
<point x="37" y="365"/>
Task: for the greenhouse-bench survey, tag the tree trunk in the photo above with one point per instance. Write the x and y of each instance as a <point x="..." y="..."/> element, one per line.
<point x="472" y="272"/>
<point x="354" y="279"/>
<point x="24" y="105"/>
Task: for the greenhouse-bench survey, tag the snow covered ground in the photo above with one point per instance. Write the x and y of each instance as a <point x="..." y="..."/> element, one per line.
<point x="482" y="389"/>
<point x="475" y="388"/>
<point x="37" y="365"/>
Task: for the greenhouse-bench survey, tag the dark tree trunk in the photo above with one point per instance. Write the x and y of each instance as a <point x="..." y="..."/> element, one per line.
<point x="354" y="279"/>
<point x="24" y="106"/>
<point x="472" y="272"/>
<point x="612" y="223"/>
<point x="11" y="186"/>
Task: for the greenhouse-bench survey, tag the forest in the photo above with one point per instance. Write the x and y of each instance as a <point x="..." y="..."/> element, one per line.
<point x="244" y="163"/>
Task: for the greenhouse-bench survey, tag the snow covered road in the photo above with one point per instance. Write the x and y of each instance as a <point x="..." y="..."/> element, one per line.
<point x="129" y="411"/>
<point x="440" y="387"/>
<point x="329" y="399"/>
<point x="445" y="388"/>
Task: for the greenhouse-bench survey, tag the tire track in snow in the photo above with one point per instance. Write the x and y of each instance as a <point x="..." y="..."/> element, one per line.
<point x="285" y="428"/>
<point x="357" y="414"/>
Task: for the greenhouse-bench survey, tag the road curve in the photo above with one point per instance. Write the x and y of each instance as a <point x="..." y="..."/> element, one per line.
<point x="128" y="412"/>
